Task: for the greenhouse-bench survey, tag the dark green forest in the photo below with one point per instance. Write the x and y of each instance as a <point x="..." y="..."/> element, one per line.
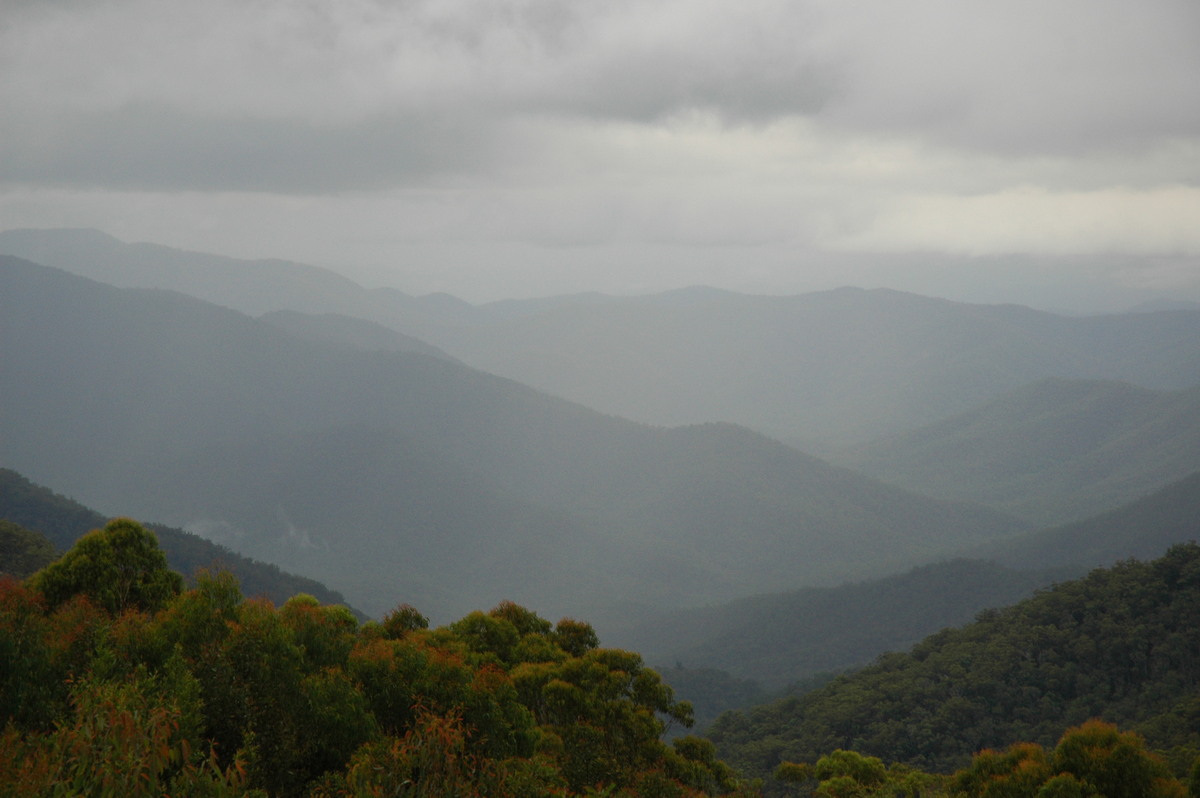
<point x="1121" y="644"/>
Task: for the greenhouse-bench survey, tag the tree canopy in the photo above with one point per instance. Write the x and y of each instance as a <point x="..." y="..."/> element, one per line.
<point x="119" y="567"/>
<point x="115" y="680"/>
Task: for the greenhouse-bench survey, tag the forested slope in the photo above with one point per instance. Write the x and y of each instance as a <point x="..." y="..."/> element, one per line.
<point x="63" y="521"/>
<point x="1122" y="644"/>
<point x="1141" y="529"/>
<point x="23" y="551"/>
<point x="781" y="638"/>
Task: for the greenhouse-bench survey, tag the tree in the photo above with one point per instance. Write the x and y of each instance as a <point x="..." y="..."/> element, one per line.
<point x="1113" y="764"/>
<point x="1093" y="760"/>
<point x="118" y="567"/>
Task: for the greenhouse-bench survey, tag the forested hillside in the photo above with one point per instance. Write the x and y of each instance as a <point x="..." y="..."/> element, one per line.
<point x="782" y="638"/>
<point x="62" y="521"/>
<point x="116" y="681"/>
<point x="400" y="476"/>
<point x="23" y="551"/>
<point x="1051" y="452"/>
<point x="1121" y="644"/>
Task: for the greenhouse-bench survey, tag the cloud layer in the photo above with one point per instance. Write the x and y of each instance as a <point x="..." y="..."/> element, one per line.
<point x="767" y="126"/>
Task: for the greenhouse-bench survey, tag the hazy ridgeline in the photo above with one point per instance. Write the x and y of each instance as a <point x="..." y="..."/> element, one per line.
<point x="462" y="486"/>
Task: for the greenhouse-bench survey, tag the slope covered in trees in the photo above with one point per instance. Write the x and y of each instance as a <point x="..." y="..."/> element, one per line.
<point x="63" y="521"/>
<point x="1121" y="644"/>
<point x="1051" y="452"/>
<point x="115" y="681"/>
<point x="778" y="639"/>
<point x="23" y="551"/>
<point x="784" y="637"/>
<point x="166" y="407"/>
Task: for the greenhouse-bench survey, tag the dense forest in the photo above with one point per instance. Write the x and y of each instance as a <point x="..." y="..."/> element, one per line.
<point x="1121" y="644"/>
<point x="114" y="680"/>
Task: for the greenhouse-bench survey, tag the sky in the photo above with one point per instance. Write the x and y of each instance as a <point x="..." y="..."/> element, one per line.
<point x="1045" y="152"/>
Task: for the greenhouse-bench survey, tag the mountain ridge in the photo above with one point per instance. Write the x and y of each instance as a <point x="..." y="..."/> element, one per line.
<point x="145" y="382"/>
<point x="1052" y="451"/>
<point x="818" y="370"/>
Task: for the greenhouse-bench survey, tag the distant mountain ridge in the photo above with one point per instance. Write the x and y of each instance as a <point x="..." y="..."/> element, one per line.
<point x="824" y="369"/>
<point x="1141" y="529"/>
<point x="153" y="404"/>
<point x="1051" y="452"/>
<point x="342" y="330"/>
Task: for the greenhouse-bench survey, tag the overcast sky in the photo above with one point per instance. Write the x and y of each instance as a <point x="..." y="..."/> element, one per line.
<point x="1045" y="152"/>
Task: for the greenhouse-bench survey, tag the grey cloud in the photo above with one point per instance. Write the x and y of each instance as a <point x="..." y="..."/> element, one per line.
<point x="327" y="96"/>
<point x="316" y="95"/>
<point x="161" y="148"/>
<point x="1023" y="77"/>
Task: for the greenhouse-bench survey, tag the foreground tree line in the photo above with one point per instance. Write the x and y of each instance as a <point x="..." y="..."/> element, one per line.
<point x="115" y="679"/>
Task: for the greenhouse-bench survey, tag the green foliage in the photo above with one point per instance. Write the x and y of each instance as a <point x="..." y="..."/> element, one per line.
<point x="1122" y="644"/>
<point x="121" y="738"/>
<point x="203" y="693"/>
<point x="402" y="620"/>
<point x="119" y="567"/>
<point x="1093" y="760"/>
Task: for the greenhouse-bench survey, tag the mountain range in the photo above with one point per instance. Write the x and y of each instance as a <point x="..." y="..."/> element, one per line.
<point x="822" y="370"/>
<point x="397" y="476"/>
